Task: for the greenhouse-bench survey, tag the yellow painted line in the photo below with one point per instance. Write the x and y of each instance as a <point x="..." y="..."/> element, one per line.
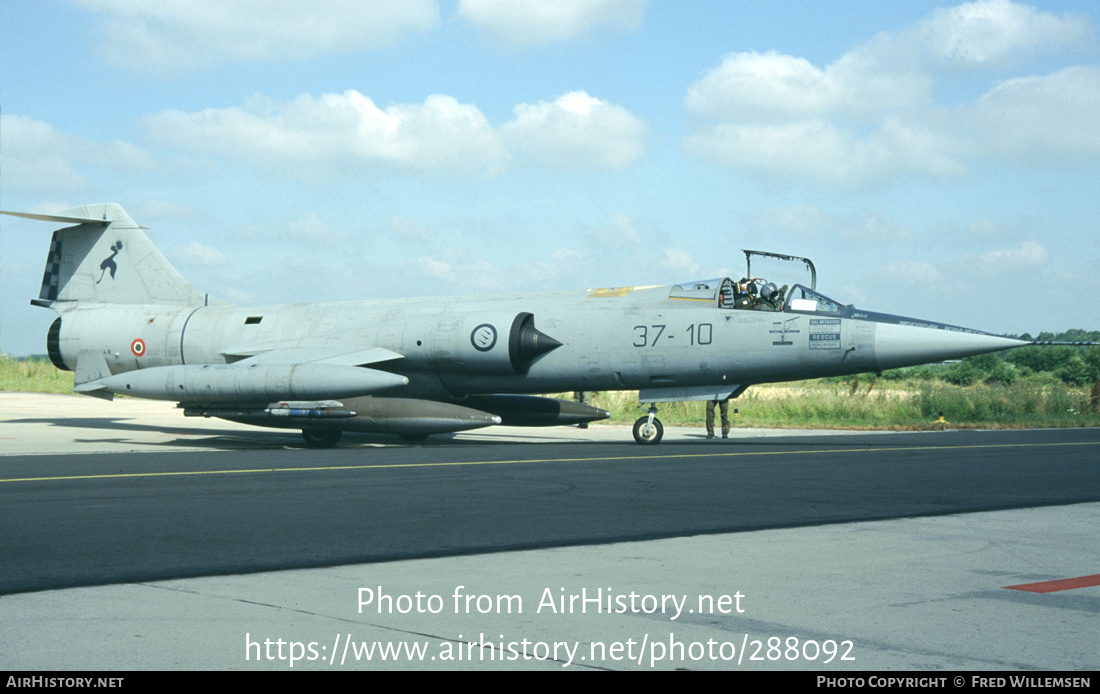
<point x="680" y="456"/>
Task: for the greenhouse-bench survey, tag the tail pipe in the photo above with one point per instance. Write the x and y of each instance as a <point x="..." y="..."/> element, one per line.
<point x="53" y="346"/>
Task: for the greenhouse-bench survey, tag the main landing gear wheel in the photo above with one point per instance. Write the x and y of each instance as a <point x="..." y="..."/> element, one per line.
<point x="321" y="438"/>
<point x="646" y="433"/>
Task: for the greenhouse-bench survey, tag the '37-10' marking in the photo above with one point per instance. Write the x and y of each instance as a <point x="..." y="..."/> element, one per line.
<point x="650" y="335"/>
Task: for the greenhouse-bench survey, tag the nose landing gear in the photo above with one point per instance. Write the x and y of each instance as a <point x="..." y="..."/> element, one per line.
<point x="648" y="430"/>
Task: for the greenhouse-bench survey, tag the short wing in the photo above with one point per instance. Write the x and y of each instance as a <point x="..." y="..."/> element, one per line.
<point x="312" y="355"/>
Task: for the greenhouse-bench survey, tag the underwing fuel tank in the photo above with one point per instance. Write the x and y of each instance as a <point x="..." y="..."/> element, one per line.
<point x="236" y="383"/>
<point x="405" y="416"/>
<point x="413" y="417"/>
<point x="536" y="411"/>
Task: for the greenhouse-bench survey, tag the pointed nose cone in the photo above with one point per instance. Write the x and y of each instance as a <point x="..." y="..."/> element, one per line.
<point x="911" y="342"/>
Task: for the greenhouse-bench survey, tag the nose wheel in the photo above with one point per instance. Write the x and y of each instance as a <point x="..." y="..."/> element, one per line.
<point x="648" y="430"/>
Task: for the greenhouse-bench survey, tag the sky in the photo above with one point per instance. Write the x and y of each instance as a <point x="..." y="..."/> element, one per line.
<point x="934" y="160"/>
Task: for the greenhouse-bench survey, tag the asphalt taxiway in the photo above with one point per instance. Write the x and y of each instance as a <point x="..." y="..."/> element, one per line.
<point x="547" y="548"/>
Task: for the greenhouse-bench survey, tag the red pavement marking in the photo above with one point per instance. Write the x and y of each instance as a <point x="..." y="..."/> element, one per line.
<point x="1063" y="584"/>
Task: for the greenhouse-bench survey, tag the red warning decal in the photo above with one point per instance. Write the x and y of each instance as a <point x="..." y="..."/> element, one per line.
<point x="1063" y="584"/>
<point x="138" y="347"/>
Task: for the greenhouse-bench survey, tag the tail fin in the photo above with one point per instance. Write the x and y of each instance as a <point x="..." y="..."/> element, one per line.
<point x="106" y="258"/>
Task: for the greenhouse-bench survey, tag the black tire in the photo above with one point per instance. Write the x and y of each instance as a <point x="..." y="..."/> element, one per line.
<point x="648" y="438"/>
<point x="321" y="438"/>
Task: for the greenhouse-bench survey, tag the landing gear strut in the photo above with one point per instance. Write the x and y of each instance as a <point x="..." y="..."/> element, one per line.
<point x="648" y="430"/>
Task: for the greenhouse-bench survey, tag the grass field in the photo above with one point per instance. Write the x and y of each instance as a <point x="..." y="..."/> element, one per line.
<point x="33" y="375"/>
<point x="852" y="404"/>
<point x="814" y="404"/>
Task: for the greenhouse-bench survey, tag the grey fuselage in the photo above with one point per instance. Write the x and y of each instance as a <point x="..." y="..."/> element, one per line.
<point x="130" y="324"/>
<point x="658" y="339"/>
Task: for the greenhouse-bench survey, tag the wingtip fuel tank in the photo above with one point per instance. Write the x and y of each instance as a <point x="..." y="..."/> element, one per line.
<point x="233" y="383"/>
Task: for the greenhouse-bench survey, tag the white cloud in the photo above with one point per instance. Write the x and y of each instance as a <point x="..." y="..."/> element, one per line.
<point x="1047" y="120"/>
<point x="679" y="261"/>
<point x="992" y="33"/>
<point x="820" y="152"/>
<point x="309" y="137"/>
<point x="409" y="230"/>
<point x="1029" y="255"/>
<point x="798" y="219"/>
<point x="914" y="273"/>
<point x="310" y="229"/>
<point x="872" y="227"/>
<point x="521" y="23"/>
<point x="455" y="270"/>
<point x="871" y="116"/>
<point x="164" y="210"/>
<point x="620" y="232"/>
<point x="812" y="221"/>
<point x="986" y="228"/>
<point x="784" y="118"/>
<point x="609" y="256"/>
<point x="196" y="253"/>
<point x="36" y="157"/>
<point x="341" y="134"/>
<point x="566" y="256"/>
<point x="461" y="271"/>
<point x="306" y="229"/>
<point x="172" y="38"/>
<point x="765" y="87"/>
<point x="577" y="131"/>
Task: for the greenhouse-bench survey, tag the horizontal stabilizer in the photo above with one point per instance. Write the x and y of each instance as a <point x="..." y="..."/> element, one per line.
<point x="95" y="389"/>
<point x="62" y="219"/>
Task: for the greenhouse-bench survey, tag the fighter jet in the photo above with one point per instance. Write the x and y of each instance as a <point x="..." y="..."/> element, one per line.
<point x="130" y="324"/>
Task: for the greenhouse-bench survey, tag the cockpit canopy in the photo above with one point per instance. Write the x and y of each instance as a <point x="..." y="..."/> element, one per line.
<point x="755" y="294"/>
<point x="803" y="299"/>
<point x="758" y="294"/>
